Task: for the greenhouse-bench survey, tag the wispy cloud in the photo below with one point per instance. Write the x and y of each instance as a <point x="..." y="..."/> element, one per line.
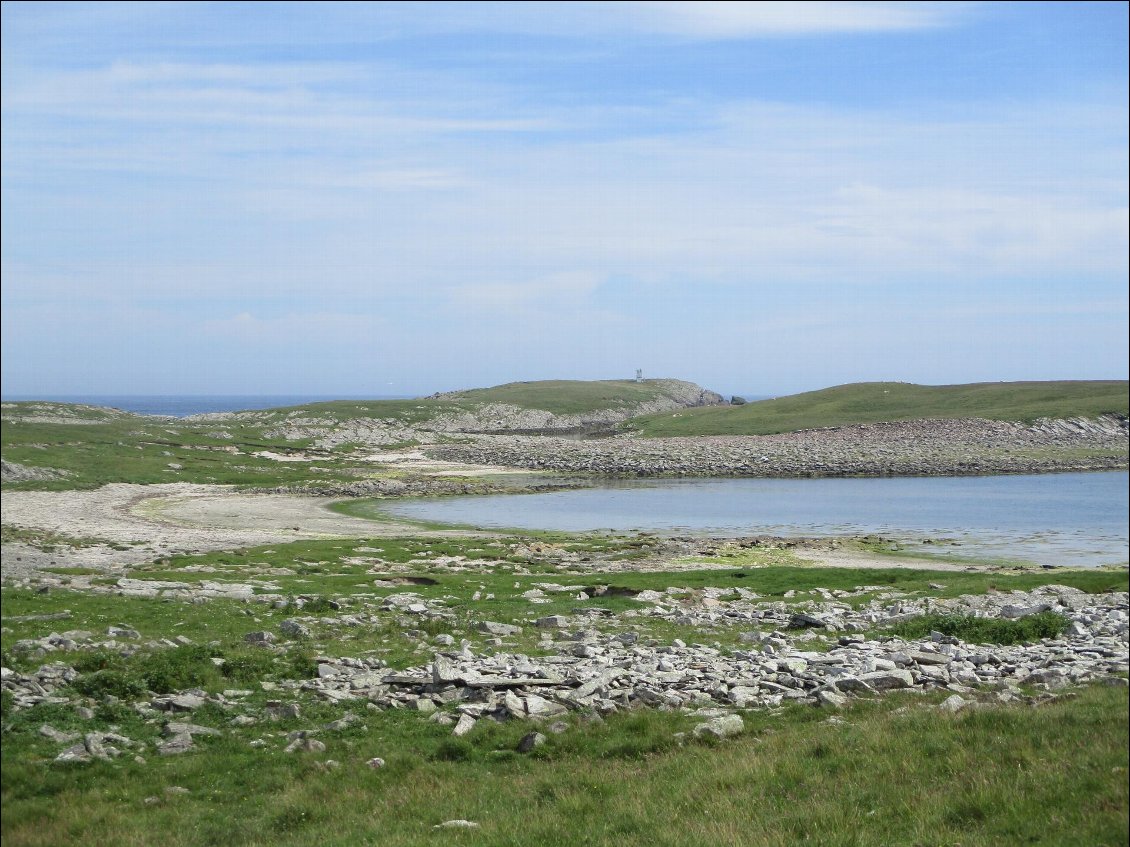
<point x="508" y="177"/>
<point x="762" y="192"/>
<point x="799" y="17"/>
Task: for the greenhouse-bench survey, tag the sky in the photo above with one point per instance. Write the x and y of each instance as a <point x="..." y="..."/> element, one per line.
<point x="401" y="198"/>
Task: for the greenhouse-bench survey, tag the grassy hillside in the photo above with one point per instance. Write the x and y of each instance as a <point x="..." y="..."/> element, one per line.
<point x="872" y="402"/>
<point x="567" y="396"/>
<point x="65" y="446"/>
<point x="557" y="396"/>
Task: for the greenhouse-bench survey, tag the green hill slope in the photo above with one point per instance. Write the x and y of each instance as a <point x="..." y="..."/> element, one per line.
<point x="55" y="446"/>
<point x="558" y="397"/>
<point x="566" y="396"/>
<point x="873" y="402"/>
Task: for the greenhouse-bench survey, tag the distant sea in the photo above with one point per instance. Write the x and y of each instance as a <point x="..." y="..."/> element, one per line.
<point x="182" y="405"/>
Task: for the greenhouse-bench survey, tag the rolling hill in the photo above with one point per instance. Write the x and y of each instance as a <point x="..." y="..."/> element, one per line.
<point x="875" y="402"/>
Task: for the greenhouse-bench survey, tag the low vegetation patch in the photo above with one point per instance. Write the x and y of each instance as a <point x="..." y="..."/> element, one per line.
<point x="978" y="630"/>
<point x="138" y="449"/>
<point x="189" y="666"/>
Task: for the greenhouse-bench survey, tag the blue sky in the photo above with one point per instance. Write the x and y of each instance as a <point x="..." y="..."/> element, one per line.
<point x="405" y="198"/>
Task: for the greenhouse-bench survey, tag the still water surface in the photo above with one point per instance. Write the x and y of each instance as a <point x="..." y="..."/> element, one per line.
<point x="1064" y="519"/>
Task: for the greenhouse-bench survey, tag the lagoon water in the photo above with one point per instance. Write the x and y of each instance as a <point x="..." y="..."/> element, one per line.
<point x="1075" y="519"/>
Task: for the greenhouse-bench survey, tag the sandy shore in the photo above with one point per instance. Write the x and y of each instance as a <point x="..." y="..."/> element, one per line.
<point x="151" y="521"/>
<point x="124" y="525"/>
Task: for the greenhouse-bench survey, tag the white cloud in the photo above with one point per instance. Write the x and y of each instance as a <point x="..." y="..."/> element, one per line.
<point x="64" y="29"/>
<point x="762" y="193"/>
<point x="348" y="103"/>
<point x="801" y="17"/>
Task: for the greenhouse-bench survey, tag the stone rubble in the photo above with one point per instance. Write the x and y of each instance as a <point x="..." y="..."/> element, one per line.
<point x="96" y="745"/>
<point x="595" y="672"/>
<point x="812" y="651"/>
<point x="737" y="606"/>
<point x="920" y="447"/>
<point x="38" y="686"/>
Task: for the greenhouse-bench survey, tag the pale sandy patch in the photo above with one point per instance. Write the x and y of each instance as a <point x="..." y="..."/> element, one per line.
<point x="863" y="559"/>
<point x="283" y="457"/>
<point x="157" y="520"/>
<point x="417" y="462"/>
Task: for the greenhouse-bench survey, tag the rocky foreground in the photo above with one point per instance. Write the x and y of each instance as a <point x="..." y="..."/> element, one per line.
<point x="903" y="448"/>
<point x="587" y="671"/>
<point x="817" y="652"/>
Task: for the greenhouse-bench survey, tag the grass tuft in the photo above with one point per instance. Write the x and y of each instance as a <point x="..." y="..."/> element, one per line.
<point x="975" y="630"/>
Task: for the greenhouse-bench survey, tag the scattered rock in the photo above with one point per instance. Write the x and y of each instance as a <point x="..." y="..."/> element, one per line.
<point x="530" y="741"/>
<point x="179" y="703"/>
<point x="954" y="704"/>
<point x="48" y="731"/>
<point x="831" y="699"/>
<point x="464" y="725"/>
<point x="301" y="741"/>
<point x="500" y="629"/>
<point x="281" y="711"/>
<point x="292" y="628"/>
<point x="176" y="745"/>
<point x="175" y="728"/>
<point x="723" y="727"/>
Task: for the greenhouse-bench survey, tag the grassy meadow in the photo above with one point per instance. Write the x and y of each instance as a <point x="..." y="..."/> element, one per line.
<point x="120" y="447"/>
<point x="888" y="772"/>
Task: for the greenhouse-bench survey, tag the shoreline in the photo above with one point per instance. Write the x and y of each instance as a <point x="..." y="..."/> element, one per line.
<point x="121" y="525"/>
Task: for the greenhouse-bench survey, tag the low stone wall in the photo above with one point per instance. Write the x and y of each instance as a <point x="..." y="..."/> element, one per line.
<point x="906" y="448"/>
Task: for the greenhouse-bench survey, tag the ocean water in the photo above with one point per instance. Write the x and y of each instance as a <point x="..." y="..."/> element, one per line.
<point x="1055" y="519"/>
<point x="182" y="405"/>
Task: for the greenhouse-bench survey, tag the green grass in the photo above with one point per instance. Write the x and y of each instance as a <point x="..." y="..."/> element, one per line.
<point x="976" y="630"/>
<point x="131" y="448"/>
<point x="188" y="666"/>
<point x="568" y="397"/>
<point x="872" y="402"/>
<point x="1054" y="775"/>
